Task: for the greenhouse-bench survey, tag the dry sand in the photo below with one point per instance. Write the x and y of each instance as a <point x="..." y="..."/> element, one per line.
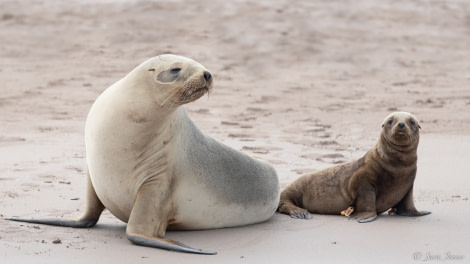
<point x="303" y="84"/>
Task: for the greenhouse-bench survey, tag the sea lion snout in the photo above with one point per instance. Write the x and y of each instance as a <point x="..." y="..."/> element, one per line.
<point x="400" y="129"/>
<point x="207" y="76"/>
<point x="196" y="86"/>
<point x="199" y="80"/>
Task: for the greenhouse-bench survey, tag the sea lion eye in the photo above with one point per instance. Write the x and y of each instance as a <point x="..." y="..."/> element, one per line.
<point x="175" y="70"/>
<point x="168" y="75"/>
<point x="390" y="121"/>
<point x="412" y="122"/>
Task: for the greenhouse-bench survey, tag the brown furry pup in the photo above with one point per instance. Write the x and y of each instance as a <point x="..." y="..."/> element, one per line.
<point x="381" y="180"/>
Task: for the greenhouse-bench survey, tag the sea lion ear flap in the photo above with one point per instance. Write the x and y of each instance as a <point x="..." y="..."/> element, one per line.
<point x="151" y="69"/>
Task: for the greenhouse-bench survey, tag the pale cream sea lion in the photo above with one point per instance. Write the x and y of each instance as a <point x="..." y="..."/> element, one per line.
<point x="151" y="167"/>
<point x="381" y="180"/>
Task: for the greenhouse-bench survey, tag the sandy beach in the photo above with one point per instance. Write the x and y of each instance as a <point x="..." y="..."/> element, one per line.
<point x="304" y="85"/>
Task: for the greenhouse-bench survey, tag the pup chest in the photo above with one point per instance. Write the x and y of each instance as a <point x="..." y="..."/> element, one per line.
<point x="390" y="194"/>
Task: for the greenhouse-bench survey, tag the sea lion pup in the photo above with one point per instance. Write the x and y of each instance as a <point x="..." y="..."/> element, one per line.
<point x="382" y="179"/>
<point x="151" y="167"/>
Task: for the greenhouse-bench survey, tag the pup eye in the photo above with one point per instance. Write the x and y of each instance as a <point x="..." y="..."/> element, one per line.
<point x="412" y="122"/>
<point x="175" y="70"/>
<point x="390" y="121"/>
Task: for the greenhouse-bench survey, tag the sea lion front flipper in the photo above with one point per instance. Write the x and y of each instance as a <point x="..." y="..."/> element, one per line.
<point x="90" y="217"/>
<point x="164" y="243"/>
<point x="365" y="219"/>
<point x="365" y="210"/>
<point x="406" y="206"/>
<point x="150" y="215"/>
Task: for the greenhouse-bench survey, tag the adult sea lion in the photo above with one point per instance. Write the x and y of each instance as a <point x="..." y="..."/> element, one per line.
<point x="151" y="167"/>
<point x="382" y="179"/>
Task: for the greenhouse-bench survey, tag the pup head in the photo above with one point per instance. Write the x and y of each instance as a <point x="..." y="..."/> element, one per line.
<point x="401" y="129"/>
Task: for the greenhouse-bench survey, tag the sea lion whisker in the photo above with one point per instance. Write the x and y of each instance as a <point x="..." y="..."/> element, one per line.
<point x="169" y="91"/>
<point x="170" y="95"/>
<point x="179" y="93"/>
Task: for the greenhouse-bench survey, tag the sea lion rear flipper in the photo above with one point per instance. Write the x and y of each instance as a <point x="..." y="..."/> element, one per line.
<point x="80" y="223"/>
<point x="287" y="207"/>
<point x="288" y="204"/>
<point x="90" y="217"/>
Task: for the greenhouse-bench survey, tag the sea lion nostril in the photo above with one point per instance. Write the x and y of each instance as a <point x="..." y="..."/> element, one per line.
<point x="401" y="125"/>
<point x="207" y="75"/>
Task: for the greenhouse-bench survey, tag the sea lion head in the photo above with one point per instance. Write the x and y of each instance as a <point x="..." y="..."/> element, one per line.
<point x="179" y="80"/>
<point x="401" y="129"/>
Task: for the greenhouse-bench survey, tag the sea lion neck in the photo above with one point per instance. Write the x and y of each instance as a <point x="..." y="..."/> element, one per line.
<point x="396" y="154"/>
